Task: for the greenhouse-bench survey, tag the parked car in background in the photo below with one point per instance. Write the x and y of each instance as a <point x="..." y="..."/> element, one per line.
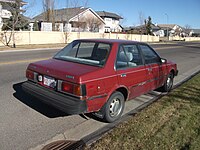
<point x="99" y="75"/>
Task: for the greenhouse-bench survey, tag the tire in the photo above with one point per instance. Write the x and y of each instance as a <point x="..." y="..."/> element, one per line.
<point x="168" y="83"/>
<point x="114" y="107"/>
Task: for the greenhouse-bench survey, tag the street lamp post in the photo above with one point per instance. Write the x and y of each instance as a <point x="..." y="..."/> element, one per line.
<point x="167" y="26"/>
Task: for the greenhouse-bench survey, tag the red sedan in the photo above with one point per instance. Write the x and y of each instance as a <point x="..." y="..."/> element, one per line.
<point x="99" y="75"/>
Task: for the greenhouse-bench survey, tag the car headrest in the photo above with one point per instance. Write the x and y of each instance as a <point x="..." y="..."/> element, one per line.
<point x="123" y="57"/>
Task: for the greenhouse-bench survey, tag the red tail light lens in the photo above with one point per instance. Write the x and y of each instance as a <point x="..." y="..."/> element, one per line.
<point x="67" y="87"/>
<point x="30" y="74"/>
<point x="75" y="89"/>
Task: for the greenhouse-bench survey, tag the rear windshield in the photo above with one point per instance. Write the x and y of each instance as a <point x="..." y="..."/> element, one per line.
<point x="91" y="53"/>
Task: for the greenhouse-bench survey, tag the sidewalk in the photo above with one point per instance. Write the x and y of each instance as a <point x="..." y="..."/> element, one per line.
<point x="33" y="47"/>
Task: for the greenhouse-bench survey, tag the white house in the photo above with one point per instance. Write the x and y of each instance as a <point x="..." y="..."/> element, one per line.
<point x="4" y="14"/>
<point x="4" y="10"/>
<point x="76" y="19"/>
<point x="173" y="29"/>
<point x="112" y="21"/>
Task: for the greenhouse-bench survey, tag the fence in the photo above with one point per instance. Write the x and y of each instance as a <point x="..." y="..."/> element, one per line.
<point x="177" y="38"/>
<point x="42" y="37"/>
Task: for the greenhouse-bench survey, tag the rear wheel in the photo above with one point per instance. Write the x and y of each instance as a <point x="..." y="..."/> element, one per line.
<point x="113" y="109"/>
<point x="168" y="83"/>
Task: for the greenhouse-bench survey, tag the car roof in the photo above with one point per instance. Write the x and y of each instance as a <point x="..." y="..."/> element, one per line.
<point x="111" y="41"/>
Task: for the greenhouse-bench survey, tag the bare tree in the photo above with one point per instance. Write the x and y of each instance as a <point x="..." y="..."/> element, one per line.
<point x="123" y="20"/>
<point x="92" y="23"/>
<point x="141" y="18"/>
<point x="178" y="32"/>
<point x="66" y="13"/>
<point x="187" y="26"/>
<point x="49" y="14"/>
<point x="47" y="7"/>
<point x="29" y="12"/>
<point x="187" y="29"/>
<point x="77" y="3"/>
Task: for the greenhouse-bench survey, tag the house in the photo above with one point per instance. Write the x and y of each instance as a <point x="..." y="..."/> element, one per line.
<point x="195" y="33"/>
<point x="173" y="29"/>
<point x="5" y="12"/>
<point x="78" y="19"/>
<point x="112" y="21"/>
<point x="142" y="29"/>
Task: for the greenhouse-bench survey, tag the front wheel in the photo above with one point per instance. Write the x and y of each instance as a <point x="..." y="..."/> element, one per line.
<point x="114" y="107"/>
<point x="168" y="83"/>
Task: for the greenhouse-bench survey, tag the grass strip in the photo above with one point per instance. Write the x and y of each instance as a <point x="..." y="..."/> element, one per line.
<point x="173" y="122"/>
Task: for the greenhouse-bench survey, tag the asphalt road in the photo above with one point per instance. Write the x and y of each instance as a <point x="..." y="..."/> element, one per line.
<point x="26" y="122"/>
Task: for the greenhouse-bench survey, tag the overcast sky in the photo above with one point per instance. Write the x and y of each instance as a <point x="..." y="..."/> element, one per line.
<point x="179" y="12"/>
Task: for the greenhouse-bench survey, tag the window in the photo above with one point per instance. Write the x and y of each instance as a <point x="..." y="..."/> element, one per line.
<point x="137" y="59"/>
<point x="101" y="52"/>
<point x="128" y="56"/>
<point x="92" y="53"/>
<point x="85" y="50"/>
<point x="149" y="55"/>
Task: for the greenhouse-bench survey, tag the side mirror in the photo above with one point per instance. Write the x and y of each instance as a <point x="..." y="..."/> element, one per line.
<point x="164" y="61"/>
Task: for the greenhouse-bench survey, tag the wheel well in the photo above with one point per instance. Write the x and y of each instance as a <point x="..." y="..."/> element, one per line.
<point x="172" y="71"/>
<point x="124" y="92"/>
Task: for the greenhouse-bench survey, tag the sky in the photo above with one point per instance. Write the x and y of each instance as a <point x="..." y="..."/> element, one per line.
<point x="181" y="12"/>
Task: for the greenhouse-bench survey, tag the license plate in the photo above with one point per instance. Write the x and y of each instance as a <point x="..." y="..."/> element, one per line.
<point x="48" y="81"/>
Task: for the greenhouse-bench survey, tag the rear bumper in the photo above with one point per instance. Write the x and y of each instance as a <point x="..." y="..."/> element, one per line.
<point x="68" y="104"/>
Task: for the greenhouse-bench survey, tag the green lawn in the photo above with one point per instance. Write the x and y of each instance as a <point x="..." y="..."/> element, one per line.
<point x="173" y="122"/>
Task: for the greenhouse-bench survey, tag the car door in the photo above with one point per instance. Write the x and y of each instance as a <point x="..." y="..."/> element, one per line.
<point x="154" y="67"/>
<point x="130" y="70"/>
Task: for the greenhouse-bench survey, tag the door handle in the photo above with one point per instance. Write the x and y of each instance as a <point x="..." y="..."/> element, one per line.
<point x="123" y="75"/>
<point x="149" y="69"/>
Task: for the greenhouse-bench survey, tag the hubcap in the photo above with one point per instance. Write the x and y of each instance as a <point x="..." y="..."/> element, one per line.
<point x="115" y="107"/>
<point x="169" y="82"/>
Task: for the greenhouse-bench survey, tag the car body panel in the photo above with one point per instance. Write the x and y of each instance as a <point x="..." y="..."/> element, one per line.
<point x="134" y="79"/>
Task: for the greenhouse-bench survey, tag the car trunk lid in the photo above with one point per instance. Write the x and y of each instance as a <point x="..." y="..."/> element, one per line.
<point x="62" y="70"/>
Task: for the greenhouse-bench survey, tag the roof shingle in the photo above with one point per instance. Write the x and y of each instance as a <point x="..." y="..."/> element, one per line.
<point x="108" y="14"/>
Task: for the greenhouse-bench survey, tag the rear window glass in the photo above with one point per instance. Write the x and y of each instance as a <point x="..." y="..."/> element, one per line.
<point x="92" y="53"/>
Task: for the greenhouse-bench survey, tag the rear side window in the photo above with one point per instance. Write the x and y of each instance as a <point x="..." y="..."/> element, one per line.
<point x="101" y="52"/>
<point x="150" y="55"/>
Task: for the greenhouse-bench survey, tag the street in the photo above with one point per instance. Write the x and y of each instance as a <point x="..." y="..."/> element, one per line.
<point x="26" y="122"/>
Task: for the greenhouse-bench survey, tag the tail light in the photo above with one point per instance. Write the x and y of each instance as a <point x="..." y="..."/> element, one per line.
<point x="70" y="88"/>
<point x="29" y="74"/>
<point x="66" y="87"/>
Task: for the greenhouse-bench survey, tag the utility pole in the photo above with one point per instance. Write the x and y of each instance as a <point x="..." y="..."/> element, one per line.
<point x="167" y="26"/>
